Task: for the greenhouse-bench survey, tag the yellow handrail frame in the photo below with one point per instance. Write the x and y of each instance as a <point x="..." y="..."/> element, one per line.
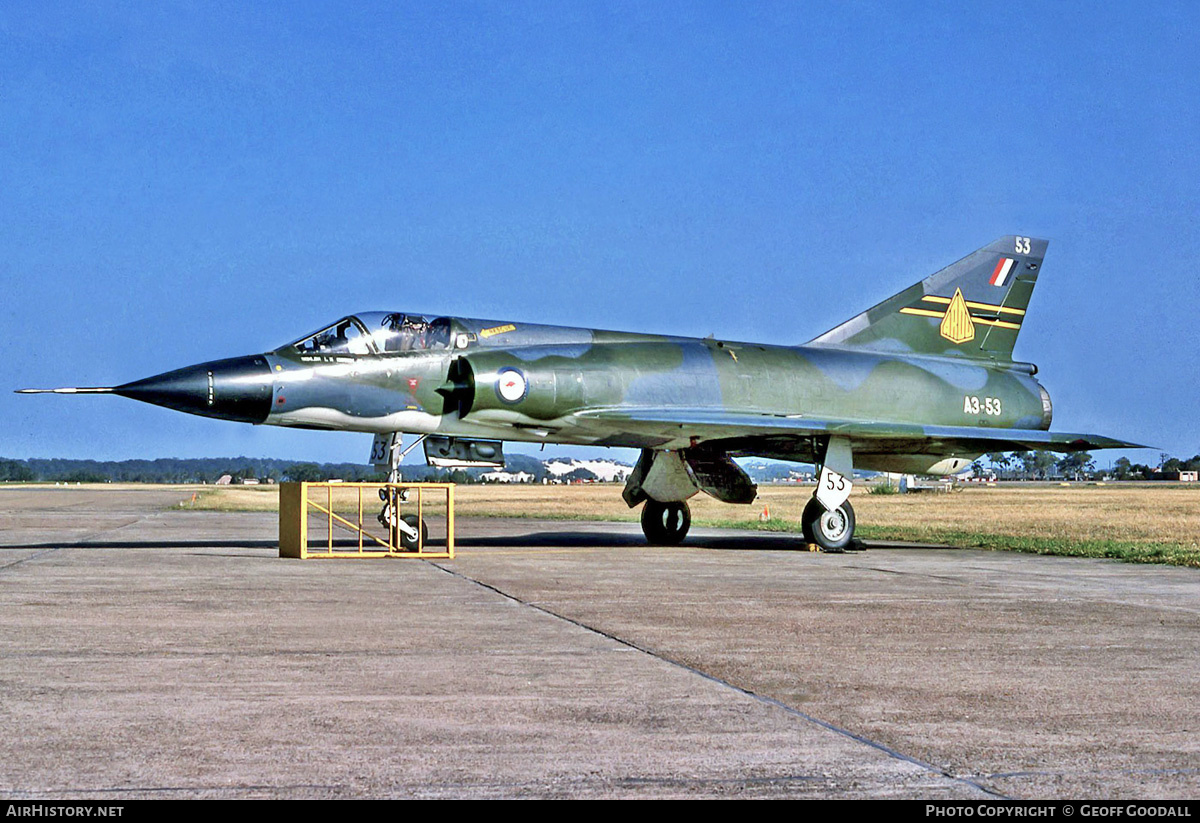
<point x="298" y="502"/>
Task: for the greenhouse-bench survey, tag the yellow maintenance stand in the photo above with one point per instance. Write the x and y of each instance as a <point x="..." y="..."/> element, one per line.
<point x="311" y="513"/>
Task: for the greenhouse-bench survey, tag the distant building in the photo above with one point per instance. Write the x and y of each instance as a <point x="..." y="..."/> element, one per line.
<point x="506" y="477"/>
<point x="1178" y="477"/>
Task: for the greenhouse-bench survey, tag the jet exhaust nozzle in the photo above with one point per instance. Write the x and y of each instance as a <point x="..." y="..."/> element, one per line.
<point x="237" y="389"/>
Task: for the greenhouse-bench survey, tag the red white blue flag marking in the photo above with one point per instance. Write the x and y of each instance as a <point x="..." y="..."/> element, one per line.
<point x="1003" y="269"/>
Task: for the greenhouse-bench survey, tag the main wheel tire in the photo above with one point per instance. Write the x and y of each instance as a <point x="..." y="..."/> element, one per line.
<point x="833" y="530"/>
<point x="410" y="543"/>
<point x="665" y="524"/>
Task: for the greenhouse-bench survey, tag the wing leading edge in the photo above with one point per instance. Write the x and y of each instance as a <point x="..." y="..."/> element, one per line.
<point x="683" y="427"/>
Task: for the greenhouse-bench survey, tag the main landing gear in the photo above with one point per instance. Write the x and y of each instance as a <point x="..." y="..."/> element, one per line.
<point x="832" y="530"/>
<point x="828" y="519"/>
<point x="665" y="524"/>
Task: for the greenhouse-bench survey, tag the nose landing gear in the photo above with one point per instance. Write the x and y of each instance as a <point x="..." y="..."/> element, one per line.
<point x="406" y="526"/>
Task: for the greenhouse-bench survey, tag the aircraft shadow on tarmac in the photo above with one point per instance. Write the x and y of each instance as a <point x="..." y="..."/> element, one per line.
<point x="729" y="541"/>
<point x="151" y="544"/>
<point x="585" y="539"/>
<point x="749" y="541"/>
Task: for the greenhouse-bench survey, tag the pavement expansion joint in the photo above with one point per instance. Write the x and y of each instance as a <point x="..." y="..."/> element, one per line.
<point x="26" y="558"/>
<point x="770" y="701"/>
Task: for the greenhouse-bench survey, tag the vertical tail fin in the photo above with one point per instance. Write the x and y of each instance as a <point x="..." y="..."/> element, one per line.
<point x="973" y="308"/>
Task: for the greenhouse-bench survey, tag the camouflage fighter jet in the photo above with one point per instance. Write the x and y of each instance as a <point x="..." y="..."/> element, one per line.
<point x="922" y="383"/>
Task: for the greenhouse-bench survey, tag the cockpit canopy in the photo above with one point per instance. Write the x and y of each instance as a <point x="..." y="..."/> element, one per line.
<point x="378" y="333"/>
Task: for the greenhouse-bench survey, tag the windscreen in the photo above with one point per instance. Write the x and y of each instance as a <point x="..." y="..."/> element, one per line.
<point x="378" y="333"/>
<point x="344" y="337"/>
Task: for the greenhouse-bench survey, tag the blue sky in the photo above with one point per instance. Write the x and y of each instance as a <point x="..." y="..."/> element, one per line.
<point x="188" y="181"/>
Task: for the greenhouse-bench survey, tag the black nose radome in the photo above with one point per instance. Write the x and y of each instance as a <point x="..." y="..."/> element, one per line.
<point x="235" y="389"/>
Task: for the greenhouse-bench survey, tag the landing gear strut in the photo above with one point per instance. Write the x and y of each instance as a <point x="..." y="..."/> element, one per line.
<point x="665" y="524"/>
<point x="390" y="453"/>
<point x="828" y="519"/>
<point x="833" y="530"/>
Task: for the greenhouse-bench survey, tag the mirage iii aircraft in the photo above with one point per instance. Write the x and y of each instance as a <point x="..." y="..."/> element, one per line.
<point x="922" y="383"/>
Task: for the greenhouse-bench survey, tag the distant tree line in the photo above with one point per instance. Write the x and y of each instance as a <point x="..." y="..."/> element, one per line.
<point x="1043" y="465"/>
<point x="211" y="469"/>
<point x="169" y="470"/>
<point x="1028" y="465"/>
<point x="15" y="470"/>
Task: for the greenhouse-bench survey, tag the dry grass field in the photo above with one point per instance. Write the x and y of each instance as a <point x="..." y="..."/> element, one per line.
<point x="1137" y="522"/>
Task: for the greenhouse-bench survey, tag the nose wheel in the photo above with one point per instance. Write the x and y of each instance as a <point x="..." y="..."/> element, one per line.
<point x="832" y="530"/>
<point x="665" y="524"/>
<point x="407" y="526"/>
<point x="408" y="536"/>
